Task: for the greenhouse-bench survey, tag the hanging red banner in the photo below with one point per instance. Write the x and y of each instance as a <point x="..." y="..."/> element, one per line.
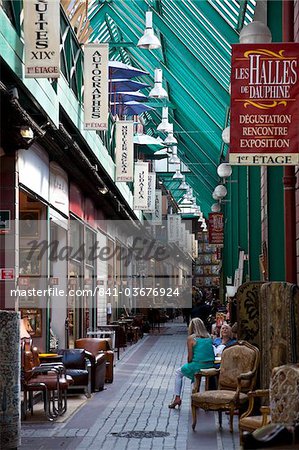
<point x="264" y="104"/>
<point x="215" y="228"/>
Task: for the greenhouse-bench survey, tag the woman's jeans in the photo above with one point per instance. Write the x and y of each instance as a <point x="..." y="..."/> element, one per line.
<point x="178" y="383"/>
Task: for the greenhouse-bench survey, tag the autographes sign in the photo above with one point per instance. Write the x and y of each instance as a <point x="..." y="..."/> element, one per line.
<point x="96" y="86"/>
<point x="42" y="38"/>
<point x="264" y="104"/>
<point x="124" y="153"/>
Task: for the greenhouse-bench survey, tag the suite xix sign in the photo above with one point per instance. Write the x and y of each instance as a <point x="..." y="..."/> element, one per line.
<point x="264" y="104"/>
<point x="42" y="38"/>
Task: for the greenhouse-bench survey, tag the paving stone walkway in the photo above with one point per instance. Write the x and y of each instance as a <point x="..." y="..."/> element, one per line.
<point x="132" y="413"/>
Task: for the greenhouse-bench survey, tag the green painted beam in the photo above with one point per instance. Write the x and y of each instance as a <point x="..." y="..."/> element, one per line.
<point x="242" y="12"/>
<point x="114" y="44"/>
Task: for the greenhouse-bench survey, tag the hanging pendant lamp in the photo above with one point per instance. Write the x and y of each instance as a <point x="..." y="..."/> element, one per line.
<point x="164" y="126"/>
<point x="149" y="40"/>
<point x="158" y="91"/>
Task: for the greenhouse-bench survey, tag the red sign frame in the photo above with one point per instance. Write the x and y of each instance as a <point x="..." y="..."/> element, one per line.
<point x="264" y="104"/>
<point x="7" y="274"/>
<point x="216" y="228"/>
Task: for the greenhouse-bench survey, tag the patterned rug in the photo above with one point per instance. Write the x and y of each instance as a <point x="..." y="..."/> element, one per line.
<point x="248" y="303"/>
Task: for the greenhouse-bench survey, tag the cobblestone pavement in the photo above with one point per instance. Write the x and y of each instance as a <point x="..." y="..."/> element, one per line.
<point x="132" y="413"/>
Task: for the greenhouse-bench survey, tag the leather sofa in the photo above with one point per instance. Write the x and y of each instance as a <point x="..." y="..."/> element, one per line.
<point x="99" y="347"/>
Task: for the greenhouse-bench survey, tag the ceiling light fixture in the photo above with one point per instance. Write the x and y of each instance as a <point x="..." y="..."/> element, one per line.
<point x="103" y="190"/>
<point x="226" y="135"/>
<point x="158" y="91"/>
<point x="216" y="207"/>
<point x="178" y="175"/>
<point x="220" y="191"/>
<point x="26" y="133"/>
<point x="174" y="159"/>
<point x="184" y="186"/>
<point x="170" y="139"/>
<point x="164" y="126"/>
<point x="149" y="40"/>
<point x="224" y="170"/>
<point x="255" y="33"/>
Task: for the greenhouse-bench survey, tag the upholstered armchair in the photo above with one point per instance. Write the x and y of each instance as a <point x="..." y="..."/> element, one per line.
<point x="99" y="348"/>
<point x="236" y="377"/>
<point x="249" y="420"/>
<point x="78" y="366"/>
<point x="282" y="398"/>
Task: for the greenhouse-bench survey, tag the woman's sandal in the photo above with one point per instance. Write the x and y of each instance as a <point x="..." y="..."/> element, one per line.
<point x="175" y="403"/>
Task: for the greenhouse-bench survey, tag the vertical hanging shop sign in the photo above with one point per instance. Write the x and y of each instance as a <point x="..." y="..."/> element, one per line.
<point x="96" y="86"/>
<point x="216" y="228"/>
<point x="178" y="222"/>
<point x="140" y="185"/>
<point x="124" y="151"/>
<point x="182" y="235"/>
<point x="174" y="227"/>
<point x="151" y="193"/>
<point x="42" y="38"/>
<point x="194" y="248"/>
<point x="157" y="214"/>
<point x="171" y="227"/>
<point x="264" y="104"/>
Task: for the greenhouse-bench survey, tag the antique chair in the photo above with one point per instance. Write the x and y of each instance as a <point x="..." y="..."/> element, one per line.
<point x="283" y="401"/>
<point x="78" y="366"/>
<point x="99" y="348"/>
<point x="236" y="377"/>
<point x="48" y="379"/>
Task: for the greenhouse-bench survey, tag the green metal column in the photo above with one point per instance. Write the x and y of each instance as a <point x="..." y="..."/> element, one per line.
<point x="227" y="264"/>
<point x="275" y="201"/>
<point x="235" y="218"/>
<point x="242" y="186"/>
<point x="254" y="221"/>
<point x="275" y="225"/>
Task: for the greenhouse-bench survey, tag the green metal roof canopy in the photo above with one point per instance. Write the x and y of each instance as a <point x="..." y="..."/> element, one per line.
<point x="196" y="38"/>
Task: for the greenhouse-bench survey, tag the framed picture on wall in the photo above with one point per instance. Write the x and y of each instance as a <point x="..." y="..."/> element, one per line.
<point x="33" y="321"/>
<point x="29" y="223"/>
<point x="30" y="262"/>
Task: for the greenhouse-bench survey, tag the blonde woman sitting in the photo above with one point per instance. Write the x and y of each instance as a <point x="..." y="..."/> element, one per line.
<point x="200" y="356"/>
